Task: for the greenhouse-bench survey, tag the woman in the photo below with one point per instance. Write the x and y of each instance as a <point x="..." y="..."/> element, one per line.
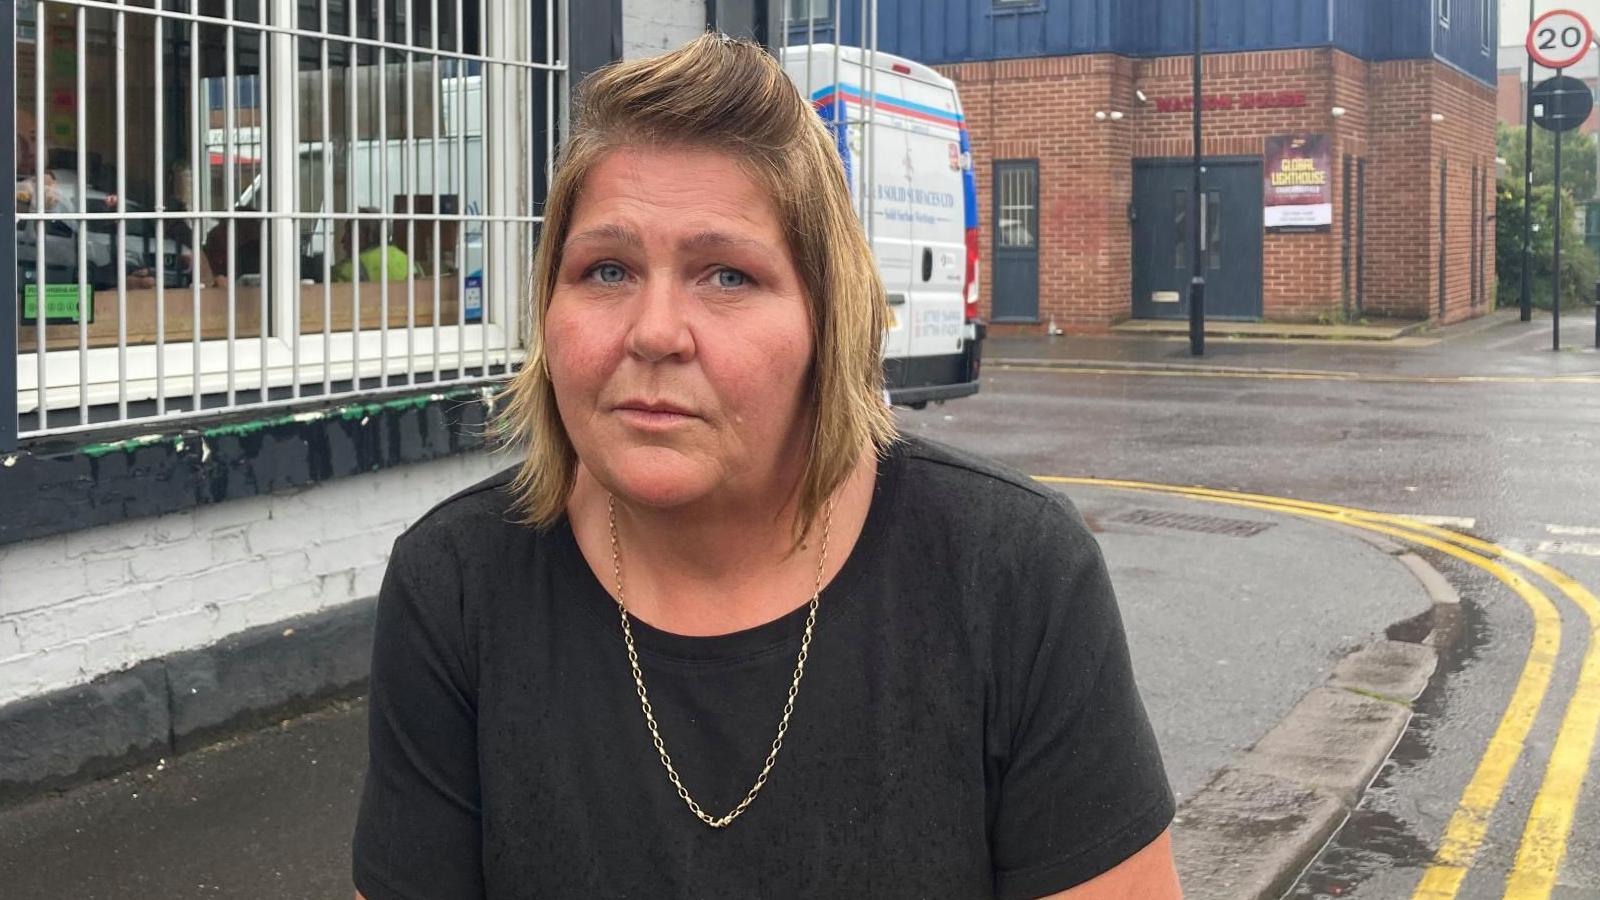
<point x="723" y="633"/>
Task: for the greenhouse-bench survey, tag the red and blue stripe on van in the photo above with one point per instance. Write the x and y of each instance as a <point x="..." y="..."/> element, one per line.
<point x="832" y="104"/>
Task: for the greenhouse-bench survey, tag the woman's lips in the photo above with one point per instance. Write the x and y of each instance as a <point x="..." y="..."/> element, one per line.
<point x="654" y="417"/>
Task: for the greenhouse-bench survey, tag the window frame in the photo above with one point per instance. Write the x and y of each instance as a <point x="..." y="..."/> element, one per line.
<point x="1009" y="7"/>
<point x="286" y="356"/>
<point x="825" y="18"/>
<point x="1017" y="192"/>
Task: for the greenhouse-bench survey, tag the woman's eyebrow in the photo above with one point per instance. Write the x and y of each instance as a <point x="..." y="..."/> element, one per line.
<point x="620" y="234"/>
<point x="711" y="240"/>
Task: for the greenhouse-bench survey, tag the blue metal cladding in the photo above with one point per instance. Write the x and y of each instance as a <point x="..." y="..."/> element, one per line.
<point x="1165" y="27"/>
<point x="1350" y="24"/>
<point x="953" y="31"/>
<point x="1469" y="40"/>
<point x="1402" y="33"/>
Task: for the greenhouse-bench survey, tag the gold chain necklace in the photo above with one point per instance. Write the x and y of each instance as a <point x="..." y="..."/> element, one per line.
<point x="644" y="696"/>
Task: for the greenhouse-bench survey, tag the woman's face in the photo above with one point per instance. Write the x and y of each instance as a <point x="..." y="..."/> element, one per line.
<point x="678" y="335"/>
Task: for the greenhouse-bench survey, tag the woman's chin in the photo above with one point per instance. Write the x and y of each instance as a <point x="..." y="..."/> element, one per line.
<point x="661" y="479"/>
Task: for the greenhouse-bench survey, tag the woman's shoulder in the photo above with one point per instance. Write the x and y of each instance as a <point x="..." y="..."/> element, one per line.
<point x="971" y="503"/>
<point x="476" y="518"/>
<point x="939" y="475"/>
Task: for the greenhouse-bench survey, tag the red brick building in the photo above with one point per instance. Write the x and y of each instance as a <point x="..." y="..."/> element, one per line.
<point x="1078" y="114"/>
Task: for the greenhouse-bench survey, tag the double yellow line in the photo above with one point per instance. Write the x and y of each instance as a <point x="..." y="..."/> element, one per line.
<point x="1544" y="836"/>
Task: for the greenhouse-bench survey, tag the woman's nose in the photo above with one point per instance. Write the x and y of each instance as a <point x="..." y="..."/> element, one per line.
<point x="660" y="326"/>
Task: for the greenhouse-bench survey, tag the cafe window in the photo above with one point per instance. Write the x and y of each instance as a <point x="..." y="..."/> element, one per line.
<point x="217" y="197"/>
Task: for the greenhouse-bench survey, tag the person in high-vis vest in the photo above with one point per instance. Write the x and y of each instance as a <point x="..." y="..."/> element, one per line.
<point x="376" y="253"/>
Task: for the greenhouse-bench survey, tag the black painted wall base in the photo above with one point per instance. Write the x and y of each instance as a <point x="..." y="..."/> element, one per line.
<point x="52" y="487"/>
<point x="162" y="707"/>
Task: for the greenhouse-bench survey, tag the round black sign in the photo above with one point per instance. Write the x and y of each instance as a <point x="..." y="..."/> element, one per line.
<point x="1561" y="103"/>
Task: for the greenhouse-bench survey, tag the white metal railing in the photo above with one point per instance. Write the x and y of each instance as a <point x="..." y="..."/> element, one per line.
<point x="831" y="14"/>
<point x="240" y="255"/>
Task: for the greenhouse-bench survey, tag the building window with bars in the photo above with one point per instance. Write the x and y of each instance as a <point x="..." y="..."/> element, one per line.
<point x="233" y="203"/>
<point x="1017" y="223"/>
<point x="811" y="10"/>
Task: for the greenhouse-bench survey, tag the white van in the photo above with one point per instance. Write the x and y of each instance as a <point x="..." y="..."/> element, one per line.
<point x="904" y="144"/>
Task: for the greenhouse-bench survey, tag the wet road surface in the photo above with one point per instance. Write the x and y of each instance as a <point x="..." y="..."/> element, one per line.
<point x="1514" y="462"/>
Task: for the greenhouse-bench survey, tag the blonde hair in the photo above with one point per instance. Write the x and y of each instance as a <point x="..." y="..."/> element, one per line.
<point x="731" y="97"/>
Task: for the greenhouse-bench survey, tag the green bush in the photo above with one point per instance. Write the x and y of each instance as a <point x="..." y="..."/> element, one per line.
<point x="1579" y="268"/>
<point x="1577" y="158"/>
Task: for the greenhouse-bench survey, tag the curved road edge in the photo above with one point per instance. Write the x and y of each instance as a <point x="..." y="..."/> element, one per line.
<point x="1262" y="819"/>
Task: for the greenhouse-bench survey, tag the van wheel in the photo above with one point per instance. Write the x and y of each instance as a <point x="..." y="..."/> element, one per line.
<point x="919" y="405"/>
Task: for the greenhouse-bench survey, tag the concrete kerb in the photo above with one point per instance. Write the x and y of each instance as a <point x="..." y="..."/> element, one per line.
<point x="1252" y="830"/>
<point x="1123" y="365"/>
<point x="184" y="701"/>
<point x="1275" y="330"/>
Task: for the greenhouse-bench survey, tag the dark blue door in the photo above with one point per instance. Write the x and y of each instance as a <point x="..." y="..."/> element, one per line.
<point x="1016" y="240"/>
<point x="1231" y="217"/>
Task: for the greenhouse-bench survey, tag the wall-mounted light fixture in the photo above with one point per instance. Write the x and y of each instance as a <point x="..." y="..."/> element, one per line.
<point x="1143" y="98"/>
<point x="1337" y="112"/>
<point x="1437" y="117"/>
<point x="1099" y="115"/>
<point x="1116" y="115"/>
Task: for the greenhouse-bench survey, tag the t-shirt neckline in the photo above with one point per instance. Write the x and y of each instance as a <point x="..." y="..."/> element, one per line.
<point x="779" y="633"/>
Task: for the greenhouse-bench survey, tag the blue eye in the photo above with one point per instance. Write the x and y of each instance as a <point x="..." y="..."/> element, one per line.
<point x="608" y="273"/>
<point x="731" y="278"/>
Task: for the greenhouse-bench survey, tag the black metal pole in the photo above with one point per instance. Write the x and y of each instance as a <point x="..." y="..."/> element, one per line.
<point x="1361" y="236"/>
<point x="1527" y="186"/>
<point x="1197" y="281"/>
<point x="1344" y="240"/>
<point x="1555" y="256"/>
<point x="8" y="234"/>
<point x="1597" y="315"/>
<point x="1444" y="218"/>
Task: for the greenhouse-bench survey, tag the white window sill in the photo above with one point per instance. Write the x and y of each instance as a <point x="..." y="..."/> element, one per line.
<point x="470" y="346"/>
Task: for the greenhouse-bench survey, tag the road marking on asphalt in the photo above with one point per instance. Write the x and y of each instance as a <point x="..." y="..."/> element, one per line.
<point x="1544" y="839"/>
<point x="1573" y="530"/>
<point x="1576" y="548"/>
<point x="1304" y="376"/>
<point x="1568" y="548"/>
<point x="1459" y="523"/>
<point x="1550" y="818"/>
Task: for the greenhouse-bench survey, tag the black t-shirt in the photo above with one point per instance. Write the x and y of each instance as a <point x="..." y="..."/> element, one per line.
<point x="968" y="724"/>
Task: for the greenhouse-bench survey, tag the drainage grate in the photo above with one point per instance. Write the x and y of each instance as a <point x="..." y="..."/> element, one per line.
<point x="1190" y="522"/>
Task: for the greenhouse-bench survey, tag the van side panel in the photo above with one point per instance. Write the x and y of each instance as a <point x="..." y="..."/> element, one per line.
<point x="928" y="116"/>
<point x="910" y="176"/>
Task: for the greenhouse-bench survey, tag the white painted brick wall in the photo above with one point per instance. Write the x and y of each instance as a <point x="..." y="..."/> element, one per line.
<point x="79" y="605"/>
<point x="654" y="26"/>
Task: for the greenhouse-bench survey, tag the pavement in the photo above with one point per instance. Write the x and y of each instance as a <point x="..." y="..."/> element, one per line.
<point x="1495" y="346"/>
<point x="1364" y="330"/>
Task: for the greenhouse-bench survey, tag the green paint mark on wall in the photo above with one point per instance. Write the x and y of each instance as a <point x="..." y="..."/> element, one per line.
<point x="129" y="445"/>
<point x="348" y="412"/>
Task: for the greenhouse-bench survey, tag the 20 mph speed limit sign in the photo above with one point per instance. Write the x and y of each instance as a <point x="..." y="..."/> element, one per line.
<point x="1559" y="38"/>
